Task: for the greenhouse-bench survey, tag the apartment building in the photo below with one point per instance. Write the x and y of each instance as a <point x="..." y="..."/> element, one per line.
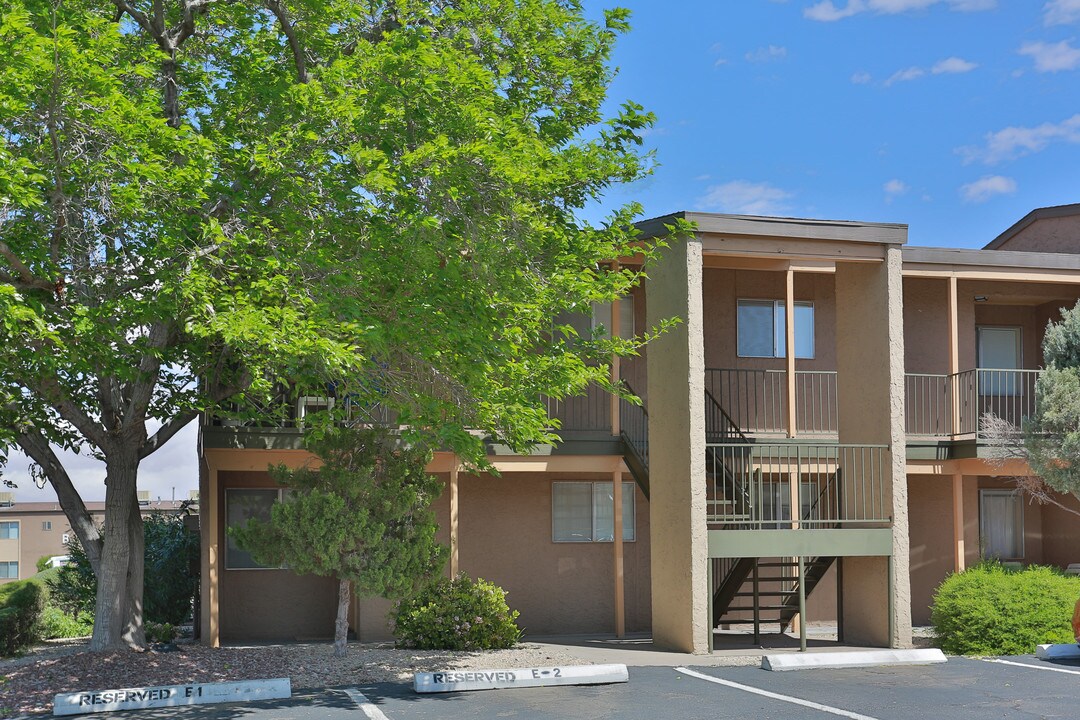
<point x="32" y="530"/>
<point x="832" y="467"/>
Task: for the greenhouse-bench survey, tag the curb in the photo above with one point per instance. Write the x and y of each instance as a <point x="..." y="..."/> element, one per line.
<point x="860" y="659"/>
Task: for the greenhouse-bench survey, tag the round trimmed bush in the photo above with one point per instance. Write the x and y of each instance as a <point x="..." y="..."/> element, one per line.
<point x="989" y="610"/>
<point x="456" y="614"/>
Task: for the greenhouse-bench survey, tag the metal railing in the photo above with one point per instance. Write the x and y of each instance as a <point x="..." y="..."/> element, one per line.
<point x="954" y="405"/>
<point x="634" y="424"/>
<point x="757" y="400"/>
<point x="591" y="411"/>
<point x="755" y="486"/>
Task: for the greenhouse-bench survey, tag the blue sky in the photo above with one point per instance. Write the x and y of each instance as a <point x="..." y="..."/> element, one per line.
<point x="956" y="117"/>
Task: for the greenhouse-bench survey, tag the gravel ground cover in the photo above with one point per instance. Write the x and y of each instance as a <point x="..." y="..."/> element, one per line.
<point x="28" y="684"/>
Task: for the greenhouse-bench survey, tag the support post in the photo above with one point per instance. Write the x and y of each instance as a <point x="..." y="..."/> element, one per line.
<point x="789" y="355"/>
<point x="210" y="610"/>
<point x="455" y="567"/>
<point x="958" y="522"/>
<point x="757" y="605"/>
<point x="840" y="600"/>
<point x="954" y="358"/>
<point x="802" y="604"/>
<point x="617" y="543"/>
<point x="616" y="368"/>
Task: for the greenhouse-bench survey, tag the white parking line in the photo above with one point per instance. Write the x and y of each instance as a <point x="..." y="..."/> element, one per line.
<point x="369" y="708"/>
<point x="776" y="696"/>
<point x="1032" y="667"/>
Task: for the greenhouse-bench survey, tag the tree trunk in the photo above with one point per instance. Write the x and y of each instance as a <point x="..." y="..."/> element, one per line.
<point x="118" y="610"/>
<point x="341" y="626"/>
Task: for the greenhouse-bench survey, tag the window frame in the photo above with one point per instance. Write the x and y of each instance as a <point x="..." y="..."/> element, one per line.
<point x="8" y="564"/>
<point x="46" y="525"/>
<point x="11" y="524"/>
<point x="1017" y="497"/>
<point x="777" y="331"/>
<point x="629" y="491"/>
<point x="225" y="517"/>
<point x="624" y="332"/>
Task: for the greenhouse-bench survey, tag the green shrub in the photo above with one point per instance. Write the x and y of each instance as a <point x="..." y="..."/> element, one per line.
<point x="456" y="615"/>
<point x="55" y="623"/>
<point x="21" y="604"/>
<point x="161" y="632"/>
<point x="43" y="562"/>
<point x="989" y="610"/>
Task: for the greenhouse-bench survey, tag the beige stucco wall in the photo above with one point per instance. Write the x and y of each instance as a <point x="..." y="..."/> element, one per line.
<point x="870" y="396"/>
<point x="34" y="541"/>
<point x="1056" y="235"/>
<point x="926" y="317"/>
<point x="676" y="367"/>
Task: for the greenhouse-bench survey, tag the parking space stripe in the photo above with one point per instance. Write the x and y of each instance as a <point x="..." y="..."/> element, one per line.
<point x="369" y="708"/>
<point x="776" y="696"/>
<point x="1032" y="667"/>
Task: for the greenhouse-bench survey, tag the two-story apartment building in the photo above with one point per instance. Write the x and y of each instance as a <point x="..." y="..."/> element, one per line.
<point x="834" y="466"/>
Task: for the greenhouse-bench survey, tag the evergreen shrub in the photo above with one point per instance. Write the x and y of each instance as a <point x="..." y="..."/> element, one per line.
<point x="991" y="610"/>
<point x="456" y="614"/>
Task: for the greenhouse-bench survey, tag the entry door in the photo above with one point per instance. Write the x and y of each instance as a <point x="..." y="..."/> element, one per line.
<point x="998" y="349"/>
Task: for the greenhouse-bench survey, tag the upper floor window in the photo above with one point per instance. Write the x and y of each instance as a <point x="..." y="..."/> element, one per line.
<point x="46" y="524"/>
<point x="762" y="333"/>
<point x="601" y="318"/>
<point x="9" y="531"/>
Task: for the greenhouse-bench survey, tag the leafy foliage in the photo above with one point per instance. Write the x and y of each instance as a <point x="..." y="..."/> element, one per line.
<point x="21" y="604"/>
<point x="172" y="573"/>
<point x="1052" y="437"/>
<point x="456" y="614"/>
<point x="55" y="623"/>
<point x="989" y="610"/>
<point x="201" y="202"/>
<point x="43" y="562"/>
<point x="161" y="632"/>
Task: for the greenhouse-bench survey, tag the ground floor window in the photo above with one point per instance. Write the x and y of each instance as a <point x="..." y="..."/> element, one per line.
<point x="583" y="512"/>
<point x="9" y="570"/>
<point x="242" y="505"/>
<point x="1001" y="524"/>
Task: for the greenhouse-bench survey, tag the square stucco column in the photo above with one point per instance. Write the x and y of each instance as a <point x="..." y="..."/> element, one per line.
<point x="870" y="395"/>
<point x="677" y="521"/>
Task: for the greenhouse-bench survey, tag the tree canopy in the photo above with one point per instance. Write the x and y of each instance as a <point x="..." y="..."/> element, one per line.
<point x="200" y="200"/>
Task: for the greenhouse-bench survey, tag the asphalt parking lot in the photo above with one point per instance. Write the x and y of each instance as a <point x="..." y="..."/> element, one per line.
<point x="962" y="689"/>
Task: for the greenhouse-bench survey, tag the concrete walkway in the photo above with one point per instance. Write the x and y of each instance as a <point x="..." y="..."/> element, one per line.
<point x="730" y="648"/>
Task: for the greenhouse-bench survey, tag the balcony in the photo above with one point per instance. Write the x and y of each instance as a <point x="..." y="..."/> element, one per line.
<point x="944" y="406"/>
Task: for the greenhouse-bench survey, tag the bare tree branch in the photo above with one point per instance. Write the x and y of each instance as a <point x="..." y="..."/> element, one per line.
<point x="37" y="449"/>
<point x="289" y="31"/>
<point x="1006" y="442"/>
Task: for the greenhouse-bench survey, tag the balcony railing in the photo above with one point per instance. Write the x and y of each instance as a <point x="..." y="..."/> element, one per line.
<point x="755" y="486"/>
<point x="954" y="405"/>
<point x="757" y="400"/>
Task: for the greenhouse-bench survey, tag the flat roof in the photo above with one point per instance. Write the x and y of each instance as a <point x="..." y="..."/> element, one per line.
<point x="94" y="507"/>
<point x="781" y="227"/>
<point x="1054" y="211"/>
<point x="992" y="258"/>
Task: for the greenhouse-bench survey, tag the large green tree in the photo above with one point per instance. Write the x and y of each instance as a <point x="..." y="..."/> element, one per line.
<point x="363" y="516"/>
<point x="200" y="199"/>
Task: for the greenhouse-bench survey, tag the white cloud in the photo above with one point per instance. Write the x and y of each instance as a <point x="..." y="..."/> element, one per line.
<point x="1014" y="142"/>
<point x="1052" y="57"/>
<point x="987" y="187"/>
<point x="861" y="78"/>
<point x="767" y="54"/>
<point x="828" y="11"/>
<point x="952" y="65"/>
<point x="894" y="188"/>
<point x="745" y="197"/>
<point x="905" y="75"/>
<point x="1061" y="12"/>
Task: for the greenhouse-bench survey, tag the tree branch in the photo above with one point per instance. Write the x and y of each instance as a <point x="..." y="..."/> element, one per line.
<point x="26" y="278"/>
<point x="37" y="449"/>
<point x="149" y="365"/>
<point x="289" y="30"/>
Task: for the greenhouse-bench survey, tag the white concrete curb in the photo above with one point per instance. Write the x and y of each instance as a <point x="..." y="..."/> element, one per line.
<point x="1058" y="652"/>
<point x="852" y="659"/>
<point x="457" y="680"/>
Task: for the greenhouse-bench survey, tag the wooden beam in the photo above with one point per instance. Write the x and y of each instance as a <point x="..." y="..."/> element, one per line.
<point x="954" y="355"/>
<point x="958" y="522"/>
<point x="616" y="371"/>
<point x="617" y="543"/>
<point x="789" y="356"/>
<point x="454" y="537"/>
<point x="211" y="610"/>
